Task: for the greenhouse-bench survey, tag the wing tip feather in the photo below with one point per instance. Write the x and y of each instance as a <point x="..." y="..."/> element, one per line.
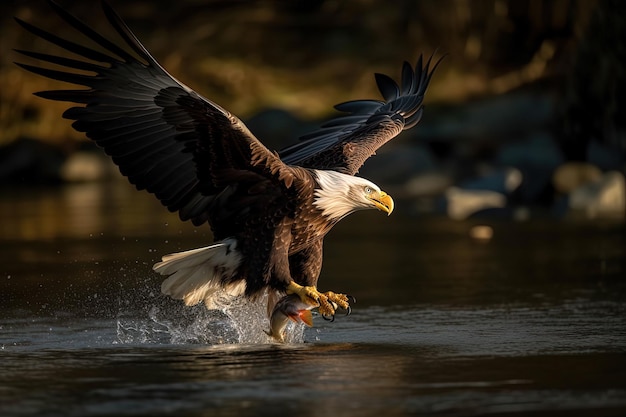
<point x="403" y="103"/>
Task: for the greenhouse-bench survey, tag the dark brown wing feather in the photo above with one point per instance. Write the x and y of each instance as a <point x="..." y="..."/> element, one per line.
<point x="165" y="138"/>
<point x="343" y="144"/>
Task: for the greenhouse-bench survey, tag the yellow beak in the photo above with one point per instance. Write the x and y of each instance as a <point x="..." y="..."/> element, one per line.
<point x="383" y="202"/>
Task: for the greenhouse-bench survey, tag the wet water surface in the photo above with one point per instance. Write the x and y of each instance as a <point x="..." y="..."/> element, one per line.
<point x="530" y="322"/>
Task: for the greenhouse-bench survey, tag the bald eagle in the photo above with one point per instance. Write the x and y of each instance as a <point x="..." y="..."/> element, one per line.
<point x="268" y="211"/>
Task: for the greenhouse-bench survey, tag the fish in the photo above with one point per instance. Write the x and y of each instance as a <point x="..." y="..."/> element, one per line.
<point x="290" y="307"/>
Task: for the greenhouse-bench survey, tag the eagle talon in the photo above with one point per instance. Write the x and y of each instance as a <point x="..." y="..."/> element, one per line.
<point x="330" y="318"/>
<point x="327" y="307"/>
<point x="327" y="302"/>
<point x="339" y="300"/>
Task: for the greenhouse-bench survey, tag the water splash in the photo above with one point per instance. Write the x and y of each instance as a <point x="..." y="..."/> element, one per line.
<point x="235" y="320"/>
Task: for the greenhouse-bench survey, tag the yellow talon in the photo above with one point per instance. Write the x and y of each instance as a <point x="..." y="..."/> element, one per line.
<point x="340" y="299"/>
<point x="327" y="302"/>
<point x="308" y="295"/>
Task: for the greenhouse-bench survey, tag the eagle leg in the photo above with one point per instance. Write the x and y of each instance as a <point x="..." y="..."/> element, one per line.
<point x="327" y="302"/>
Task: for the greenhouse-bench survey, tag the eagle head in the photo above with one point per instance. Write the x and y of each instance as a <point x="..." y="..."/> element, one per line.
<point x="338" y="195"/>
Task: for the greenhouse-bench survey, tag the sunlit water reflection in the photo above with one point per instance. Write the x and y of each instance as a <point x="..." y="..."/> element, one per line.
<point x="532" y="321"/>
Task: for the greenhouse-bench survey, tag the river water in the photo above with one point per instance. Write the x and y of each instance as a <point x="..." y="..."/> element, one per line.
<point x="529" y="322"/>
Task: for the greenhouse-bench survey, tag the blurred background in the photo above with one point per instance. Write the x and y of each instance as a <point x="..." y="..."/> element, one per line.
<point x="525" y="113"/>
<point x="524" y="121"/>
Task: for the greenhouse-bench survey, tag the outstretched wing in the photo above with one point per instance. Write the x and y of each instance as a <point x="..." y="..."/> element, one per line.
<point x="164" y="137"/>
<point x="344" y="143"/>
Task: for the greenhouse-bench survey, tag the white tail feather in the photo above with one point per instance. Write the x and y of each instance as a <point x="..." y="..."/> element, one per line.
<point x="196" y="275"/>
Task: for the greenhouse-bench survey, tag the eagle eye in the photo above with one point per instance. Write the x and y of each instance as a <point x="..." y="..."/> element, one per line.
<point x="368" y="189"/>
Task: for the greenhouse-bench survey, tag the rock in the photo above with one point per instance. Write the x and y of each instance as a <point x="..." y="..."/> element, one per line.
<point x="492" y="117"/>
<point x="461" y="204"/>
<point x="572" y="175"/>
<point x="605" y="197"/>
<point x="503" y="181"/>
<point x="537" y="159"/>
<point x="538" y="151"/>
<point x="398" y="164"/>
<point x="485" y="196"/>
<point x="428" y="184"/>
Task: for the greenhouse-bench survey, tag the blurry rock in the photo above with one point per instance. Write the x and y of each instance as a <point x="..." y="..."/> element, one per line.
<point x="428" y="184"/>
<point x="536" y="158"/>
<point x="484" y="196"/>
<point x="536" y="188"/>
<point x="84" y="166"/>
<point x="572" y="175"/>
<point x="605" y="197"/>
<point x="538" y="151"/>
<point x="30" y="161"/>
<point x="502" y="181"/>
<point x="492" y="117"/>
<point x="461" y="204"/>
<point x="398" y="164"/>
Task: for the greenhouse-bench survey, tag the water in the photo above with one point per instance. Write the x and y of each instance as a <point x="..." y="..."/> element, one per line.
<point x="530" y="322"/>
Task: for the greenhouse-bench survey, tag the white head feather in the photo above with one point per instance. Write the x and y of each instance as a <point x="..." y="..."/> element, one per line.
<point x="341" y="194"/>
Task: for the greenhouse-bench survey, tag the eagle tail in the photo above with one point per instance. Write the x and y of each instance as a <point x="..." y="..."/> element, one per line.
<point x="197" y="275"/>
